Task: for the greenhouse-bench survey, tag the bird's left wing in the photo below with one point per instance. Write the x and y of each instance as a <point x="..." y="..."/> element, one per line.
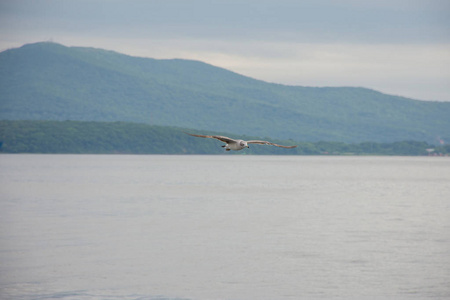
<point x="269" y="143"/>
<point x="217" y="137"/>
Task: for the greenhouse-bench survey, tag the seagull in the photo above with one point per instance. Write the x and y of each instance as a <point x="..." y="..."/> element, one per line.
<point x="232" y="144"/>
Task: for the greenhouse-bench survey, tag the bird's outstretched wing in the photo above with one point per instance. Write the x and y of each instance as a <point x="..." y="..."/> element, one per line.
<point x="217" y="137"/>
<point x="269" y="143"/>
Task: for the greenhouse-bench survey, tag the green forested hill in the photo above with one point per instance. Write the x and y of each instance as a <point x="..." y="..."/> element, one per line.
<point x="132" y="138"/>
<point x="47" y="81"/>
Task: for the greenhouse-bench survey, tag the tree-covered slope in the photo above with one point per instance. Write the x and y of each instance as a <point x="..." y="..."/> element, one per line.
<point x="133" y="138"/>
<point x="47" y="81"/>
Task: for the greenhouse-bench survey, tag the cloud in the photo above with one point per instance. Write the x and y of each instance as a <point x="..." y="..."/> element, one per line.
<point x="301" y="21"/>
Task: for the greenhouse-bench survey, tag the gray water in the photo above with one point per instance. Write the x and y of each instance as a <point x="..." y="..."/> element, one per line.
<point x="224" y="227"/>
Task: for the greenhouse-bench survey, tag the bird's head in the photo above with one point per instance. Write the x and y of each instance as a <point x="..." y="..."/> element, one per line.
<point x="244" y="144"/>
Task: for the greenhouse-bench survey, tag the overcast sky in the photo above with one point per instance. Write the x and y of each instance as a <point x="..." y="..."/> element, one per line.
<point x="399" y="47"/>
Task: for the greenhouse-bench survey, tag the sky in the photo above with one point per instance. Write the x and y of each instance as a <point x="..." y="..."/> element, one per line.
<point x="398" y="47"/>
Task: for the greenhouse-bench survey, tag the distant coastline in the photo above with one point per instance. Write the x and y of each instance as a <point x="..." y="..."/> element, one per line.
<point x="77" y="137"/>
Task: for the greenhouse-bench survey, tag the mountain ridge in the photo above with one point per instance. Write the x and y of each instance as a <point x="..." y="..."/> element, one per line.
<point x="48" y="81"/>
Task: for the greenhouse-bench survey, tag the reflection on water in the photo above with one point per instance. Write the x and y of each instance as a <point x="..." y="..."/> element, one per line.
<point x="224" y="227"/>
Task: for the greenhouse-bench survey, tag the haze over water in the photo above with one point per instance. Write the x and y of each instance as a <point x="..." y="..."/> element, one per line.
<point x="224" y="227"/>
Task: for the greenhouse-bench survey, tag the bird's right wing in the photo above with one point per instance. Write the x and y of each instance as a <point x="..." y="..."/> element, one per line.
<point x="217" y="137"/>
<point x="269" y="143"/>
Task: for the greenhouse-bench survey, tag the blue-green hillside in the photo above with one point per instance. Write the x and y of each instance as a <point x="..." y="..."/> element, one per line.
<point x="134" y="138"/>
<point x="48" y="81"/>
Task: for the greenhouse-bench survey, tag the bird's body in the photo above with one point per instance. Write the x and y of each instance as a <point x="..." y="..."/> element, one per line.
<point x="232" y="144"/>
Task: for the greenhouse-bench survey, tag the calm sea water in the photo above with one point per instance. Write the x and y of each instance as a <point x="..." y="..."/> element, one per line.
<point x="224" y="227"/>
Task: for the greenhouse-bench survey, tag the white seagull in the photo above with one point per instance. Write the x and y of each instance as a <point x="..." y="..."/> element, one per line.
<point x="232" y="144"/>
